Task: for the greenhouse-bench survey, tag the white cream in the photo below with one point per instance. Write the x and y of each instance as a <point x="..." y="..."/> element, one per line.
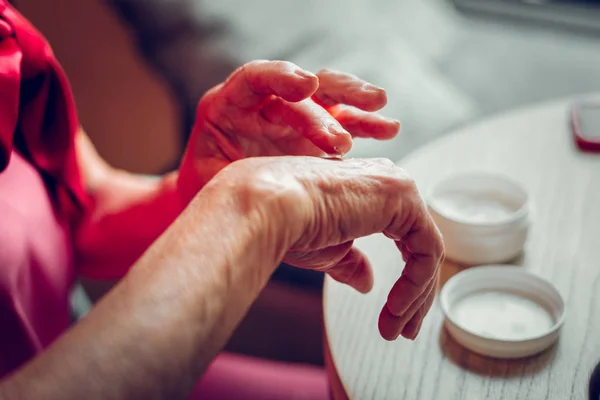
<point x="501" y="315"/>
<point x="472" y="209"/>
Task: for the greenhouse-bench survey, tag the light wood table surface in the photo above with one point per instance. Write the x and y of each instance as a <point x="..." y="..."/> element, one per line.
<point x="534" y="146"/>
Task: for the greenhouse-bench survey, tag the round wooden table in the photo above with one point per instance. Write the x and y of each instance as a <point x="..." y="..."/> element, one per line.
<point x="534" y="146"/>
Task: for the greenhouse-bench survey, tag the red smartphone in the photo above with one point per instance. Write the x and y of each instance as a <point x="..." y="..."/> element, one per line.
<point x="585" y="124"/>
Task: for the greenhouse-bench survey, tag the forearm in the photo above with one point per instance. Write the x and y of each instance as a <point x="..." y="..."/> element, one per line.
<point x="155" y="333"/>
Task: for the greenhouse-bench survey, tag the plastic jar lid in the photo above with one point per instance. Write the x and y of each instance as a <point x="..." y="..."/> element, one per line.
<point x="502" y="311"/>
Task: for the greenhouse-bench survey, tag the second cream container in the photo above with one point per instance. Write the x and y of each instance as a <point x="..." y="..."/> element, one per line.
<point x="484" y="217"/>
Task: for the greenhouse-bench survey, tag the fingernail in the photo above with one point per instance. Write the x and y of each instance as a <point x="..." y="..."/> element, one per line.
<point x="337" y="130"/>
<point x="305" y="74"/>
<point x="367" y="87"/>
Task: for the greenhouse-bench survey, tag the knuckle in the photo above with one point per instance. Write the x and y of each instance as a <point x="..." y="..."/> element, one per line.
<point x="398" y="179"/>
<point x="401" y="175"/>
<point x="410" y="186"/>
<point x="395" y="181"/>
<point x="385" y="163"/>
<point x="440" y="248"/>
<point x="437" y="247"/>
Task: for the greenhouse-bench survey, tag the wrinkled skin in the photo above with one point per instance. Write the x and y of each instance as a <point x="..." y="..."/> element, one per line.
<point x="316" y="207"/>
<point x="274" y="108"/>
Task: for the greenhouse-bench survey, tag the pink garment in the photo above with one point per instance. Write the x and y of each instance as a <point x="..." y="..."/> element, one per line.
<point x="235" y="377"/>
<point x="36" y="266"/>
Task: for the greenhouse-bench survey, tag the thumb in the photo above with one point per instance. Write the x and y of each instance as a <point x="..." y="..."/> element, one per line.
<point x="343" y="262"/>
<point x="354" y="270"/>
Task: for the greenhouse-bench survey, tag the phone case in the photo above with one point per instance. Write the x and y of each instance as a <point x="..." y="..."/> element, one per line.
<point x="584" y="143"/>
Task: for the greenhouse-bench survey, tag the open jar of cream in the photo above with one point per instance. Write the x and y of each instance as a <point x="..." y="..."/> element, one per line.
<point x="484" y="217"/>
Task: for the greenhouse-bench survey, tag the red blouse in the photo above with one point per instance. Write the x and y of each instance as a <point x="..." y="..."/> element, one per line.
<point x="37" y="111"/>
<point x="41" y="192"/>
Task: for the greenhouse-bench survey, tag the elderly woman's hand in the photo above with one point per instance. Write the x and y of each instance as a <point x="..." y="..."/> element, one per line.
<point x="314" y="208"/>
<point x="271" y="108"/>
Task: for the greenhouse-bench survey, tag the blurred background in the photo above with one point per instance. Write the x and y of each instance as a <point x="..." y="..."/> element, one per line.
<point x="138" y="67"/>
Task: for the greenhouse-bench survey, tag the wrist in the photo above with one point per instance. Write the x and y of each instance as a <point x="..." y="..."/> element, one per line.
<point x="217" y="256"/>
<point x="194" y="173"/>
<point x="251" y="214"/>
<point x="263" y="195"/>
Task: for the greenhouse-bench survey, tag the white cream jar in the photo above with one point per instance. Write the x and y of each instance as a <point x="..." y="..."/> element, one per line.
<point x="484" y="217"/>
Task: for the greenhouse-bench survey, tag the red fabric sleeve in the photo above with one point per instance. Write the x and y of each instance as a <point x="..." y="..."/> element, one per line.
<point x="38" y="116"/>
<point x="10" y="78"/>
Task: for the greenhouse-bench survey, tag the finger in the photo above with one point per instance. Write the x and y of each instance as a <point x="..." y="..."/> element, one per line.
<point x="388" y="325"/>
<point x="318" y="259"/>
<point x="397" y="323"/>
<point x="364" y="124"/>
<point x="354" y="270"/>
<point x="412" y="327"/>
<point x="419" y="301"/>
<point x="425" y="249"/>
<point x="224" y="126"/>
<point x="252" y="83"/>
<point x="408" y="290"/>
<point x="391" y="326"/>
<point x="310" y="121"/>
<point x="342" y="88"/>
<point x="416" y="310"/>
